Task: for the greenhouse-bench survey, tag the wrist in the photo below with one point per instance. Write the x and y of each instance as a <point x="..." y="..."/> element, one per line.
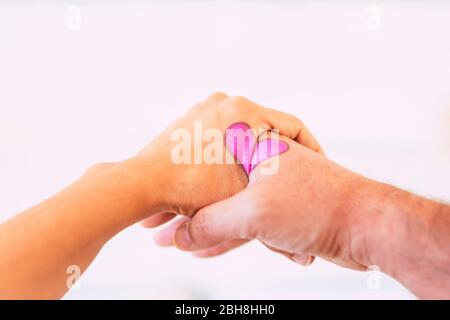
<point x="125" y="186"/>
<point x="150" y="184"/>
<point x="362" y="218"/>
<point x="371" y="223"/>
<point x="405" y="236"/>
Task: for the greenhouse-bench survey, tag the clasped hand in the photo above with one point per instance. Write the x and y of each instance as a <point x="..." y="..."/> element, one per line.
<point x="300" y="211"/>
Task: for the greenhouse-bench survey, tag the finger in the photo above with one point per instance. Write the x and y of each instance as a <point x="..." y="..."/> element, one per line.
<point x="220" y="248"/>
<point x="283" y="253"/>
<point x="157" y="219"/>
<point x="303" y="259"/>
<point x="349" y="264"/>
<point x="164" y="238"/>
<point x="293" y="128"/>
<point x="306" y="138"/>
<point x="299" y="258"/>
<point x="217" y="223"/>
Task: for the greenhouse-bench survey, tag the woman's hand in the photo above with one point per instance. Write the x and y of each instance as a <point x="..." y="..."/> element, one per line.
<point x="66" y="231"/>
<point x="186" y="187"/>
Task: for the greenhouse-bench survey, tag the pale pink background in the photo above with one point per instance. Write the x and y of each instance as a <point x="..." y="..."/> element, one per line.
<point x="375" y="92"/>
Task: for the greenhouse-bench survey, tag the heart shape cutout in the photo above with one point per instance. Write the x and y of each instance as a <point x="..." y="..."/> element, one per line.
<point x="242" y="143"/>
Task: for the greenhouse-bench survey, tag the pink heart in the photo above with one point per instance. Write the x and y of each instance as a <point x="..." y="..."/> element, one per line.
<point x="241" y="142"/>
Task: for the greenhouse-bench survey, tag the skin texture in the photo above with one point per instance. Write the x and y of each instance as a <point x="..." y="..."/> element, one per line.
<point x="314" y="207"/>
<point x="40" y="244"/>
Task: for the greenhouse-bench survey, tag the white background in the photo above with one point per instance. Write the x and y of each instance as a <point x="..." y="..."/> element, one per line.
<point x="371" y="80"/>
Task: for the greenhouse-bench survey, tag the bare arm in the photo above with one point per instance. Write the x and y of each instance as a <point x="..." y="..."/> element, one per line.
<point x="407" y="236"/>
<point x="70" y="228"/>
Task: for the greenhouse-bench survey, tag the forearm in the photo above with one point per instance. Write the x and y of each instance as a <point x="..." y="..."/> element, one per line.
<point x="70" y="228"/>
<point x="407" y="237"/>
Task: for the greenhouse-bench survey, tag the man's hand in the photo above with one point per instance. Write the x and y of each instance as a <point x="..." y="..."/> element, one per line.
<point x="314" y="207"/>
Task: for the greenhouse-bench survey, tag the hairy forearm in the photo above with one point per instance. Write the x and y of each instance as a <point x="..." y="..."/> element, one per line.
<point x="68" y="229"/>
<point x="407" y="237"/>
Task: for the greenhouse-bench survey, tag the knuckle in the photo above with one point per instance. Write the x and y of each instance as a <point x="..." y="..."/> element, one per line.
<point x="218" y="95"/>
<point x="215" y="98"/>
<point x="263" y="129"/>
<point x="200" y="227"/>
<point x="235" y="106"/>
<point x="238" y="100"/>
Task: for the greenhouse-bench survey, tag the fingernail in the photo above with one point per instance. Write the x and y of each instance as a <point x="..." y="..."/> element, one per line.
<point x="181" y="239"/>
<point x="309" y="261"/>
<point x="303" y="259"/>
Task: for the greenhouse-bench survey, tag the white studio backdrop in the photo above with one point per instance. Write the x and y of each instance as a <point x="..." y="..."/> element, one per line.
<point x="91" y="81"/>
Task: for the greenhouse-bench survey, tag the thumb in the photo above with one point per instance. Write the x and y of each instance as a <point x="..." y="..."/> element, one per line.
<point x="214" y="224"/>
